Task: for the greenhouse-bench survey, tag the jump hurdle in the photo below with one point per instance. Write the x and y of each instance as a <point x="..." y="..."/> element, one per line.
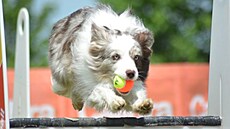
<point x="218" y="110"/>
<point x="116" y="122"/>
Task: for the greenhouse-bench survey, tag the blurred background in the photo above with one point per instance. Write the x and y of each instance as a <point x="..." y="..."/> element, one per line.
<point x="181" y="28"/>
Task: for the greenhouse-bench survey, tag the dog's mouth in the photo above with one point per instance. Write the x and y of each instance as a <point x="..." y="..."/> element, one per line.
<point x="123" y="93"/>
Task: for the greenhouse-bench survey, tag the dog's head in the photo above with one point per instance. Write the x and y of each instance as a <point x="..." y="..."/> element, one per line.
<point x="121" y="53"/>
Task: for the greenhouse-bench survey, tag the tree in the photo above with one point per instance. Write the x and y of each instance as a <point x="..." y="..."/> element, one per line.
<point x="181" y="27"/>
<point x="38" y="21"/>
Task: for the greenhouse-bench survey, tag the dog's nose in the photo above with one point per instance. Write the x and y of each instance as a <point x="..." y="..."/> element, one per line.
<point x="130" y="73"/>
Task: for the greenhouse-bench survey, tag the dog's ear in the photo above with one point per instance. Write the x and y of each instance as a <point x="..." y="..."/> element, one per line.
<point x="100" y="37"/>
<point x="99" y="33"/>
<point x="146" y="40"/>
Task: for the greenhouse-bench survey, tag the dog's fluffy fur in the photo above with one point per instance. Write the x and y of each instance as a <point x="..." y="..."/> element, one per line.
<point x="92" y="45"/>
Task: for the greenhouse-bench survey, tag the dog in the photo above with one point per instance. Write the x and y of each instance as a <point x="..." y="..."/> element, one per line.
<point x="92" y="45"/>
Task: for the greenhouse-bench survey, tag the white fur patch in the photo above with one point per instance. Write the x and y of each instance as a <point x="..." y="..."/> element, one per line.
<point x="123" y="45"/>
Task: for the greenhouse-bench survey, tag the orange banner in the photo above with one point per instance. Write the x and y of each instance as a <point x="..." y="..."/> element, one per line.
<point x="177" y="89"/>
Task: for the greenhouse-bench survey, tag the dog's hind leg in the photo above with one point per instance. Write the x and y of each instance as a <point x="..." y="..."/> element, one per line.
<point x="77" y="102"/>
<point x="59" y="89"/>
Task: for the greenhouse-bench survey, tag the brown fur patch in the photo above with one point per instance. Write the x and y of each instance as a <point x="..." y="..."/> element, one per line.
<point x="145" y="39"/>
<point x="66" y="45"/>
<point x="71" y="39"/>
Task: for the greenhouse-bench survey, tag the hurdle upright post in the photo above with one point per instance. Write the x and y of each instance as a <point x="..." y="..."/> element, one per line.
<point x="219" y="74"/>
<point x="21" y="101"/>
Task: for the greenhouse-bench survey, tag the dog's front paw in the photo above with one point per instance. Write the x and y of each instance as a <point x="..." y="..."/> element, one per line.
<point x="144" y="107"/>
<point x="117" y="104"/>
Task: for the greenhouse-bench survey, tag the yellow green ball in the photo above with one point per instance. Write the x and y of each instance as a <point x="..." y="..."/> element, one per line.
<point x="118" y="82"/>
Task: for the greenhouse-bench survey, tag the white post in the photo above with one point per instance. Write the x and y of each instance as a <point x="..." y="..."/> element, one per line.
<point x="219" y="76"/>
<point x="21" y="105"/>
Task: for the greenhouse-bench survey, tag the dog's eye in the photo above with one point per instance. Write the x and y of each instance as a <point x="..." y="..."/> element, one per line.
<point x="136" y="57"/>
<point x="116" y="57"/>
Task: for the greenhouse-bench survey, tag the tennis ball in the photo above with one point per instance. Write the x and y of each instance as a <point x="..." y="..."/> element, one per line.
<point x="123" y="86"/>
<point x="118" y="82"/>
<point x="127" y="88"/>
